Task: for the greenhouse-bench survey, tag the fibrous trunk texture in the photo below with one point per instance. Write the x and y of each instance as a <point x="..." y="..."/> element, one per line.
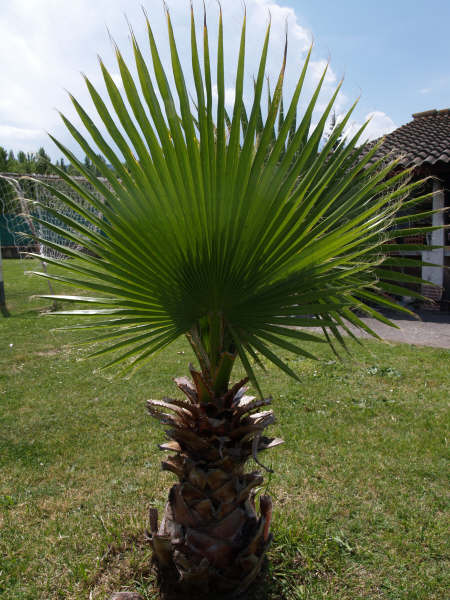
<point x="211" y="538"/>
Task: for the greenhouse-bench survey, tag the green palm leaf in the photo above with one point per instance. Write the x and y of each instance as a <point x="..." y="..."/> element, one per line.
<point x="234" y="239"/>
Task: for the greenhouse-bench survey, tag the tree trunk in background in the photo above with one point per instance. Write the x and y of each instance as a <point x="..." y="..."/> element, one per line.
<point x="3" y="308"/>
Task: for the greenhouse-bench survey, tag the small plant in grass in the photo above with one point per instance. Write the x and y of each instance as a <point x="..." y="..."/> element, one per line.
<point x="240" y="233"/>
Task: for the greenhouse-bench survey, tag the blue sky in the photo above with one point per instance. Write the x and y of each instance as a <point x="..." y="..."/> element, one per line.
<point x="395" y="54"/>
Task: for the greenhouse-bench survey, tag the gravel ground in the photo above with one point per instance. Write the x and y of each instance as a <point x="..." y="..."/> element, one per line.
<point x="432" y="330"/>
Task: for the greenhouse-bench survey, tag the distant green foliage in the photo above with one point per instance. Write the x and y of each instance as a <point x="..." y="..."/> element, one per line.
<point x="27" y="163"/>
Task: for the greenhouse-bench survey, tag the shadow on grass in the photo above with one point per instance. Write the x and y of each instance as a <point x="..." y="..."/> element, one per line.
<point x="127" y="566"/>
<point x="124" y="565"/>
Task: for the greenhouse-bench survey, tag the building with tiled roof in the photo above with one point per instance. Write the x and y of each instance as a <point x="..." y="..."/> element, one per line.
<point x="424" y="145"/>
<point x="423" y="142"/>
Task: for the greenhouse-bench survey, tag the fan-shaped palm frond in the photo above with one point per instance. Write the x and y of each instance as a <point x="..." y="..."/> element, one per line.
<point x="234" y="230"/>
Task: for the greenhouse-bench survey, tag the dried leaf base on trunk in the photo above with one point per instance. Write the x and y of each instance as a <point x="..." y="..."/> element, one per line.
<point x="211" y="540"/>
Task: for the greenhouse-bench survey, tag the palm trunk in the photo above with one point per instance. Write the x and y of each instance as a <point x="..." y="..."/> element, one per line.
<point x="211" y="538"/>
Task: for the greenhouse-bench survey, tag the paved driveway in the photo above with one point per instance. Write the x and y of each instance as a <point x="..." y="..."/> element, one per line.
<point x="432" y="330"/>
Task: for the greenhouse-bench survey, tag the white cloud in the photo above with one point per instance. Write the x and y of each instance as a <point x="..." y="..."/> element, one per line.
<point x="50" y="42"/>
<point x="379" y="124"/>
<point x="425" y="90"/>
<point x="230" y="94"/>
<point x="282" y="16"/>
<point x="317" y="68"/>
<point x="7" y="131"/>
<point x="117" y="79"/>
<point x="26" y="139"/>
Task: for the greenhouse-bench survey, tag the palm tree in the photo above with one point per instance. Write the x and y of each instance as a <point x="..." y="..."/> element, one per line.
<point x="240" y="235"/>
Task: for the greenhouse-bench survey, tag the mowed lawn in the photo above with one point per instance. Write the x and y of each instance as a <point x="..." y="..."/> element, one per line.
<point x="360" y="487"/>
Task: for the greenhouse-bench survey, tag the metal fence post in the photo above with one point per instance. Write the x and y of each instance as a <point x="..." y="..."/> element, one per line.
<point x="3" y="308"/>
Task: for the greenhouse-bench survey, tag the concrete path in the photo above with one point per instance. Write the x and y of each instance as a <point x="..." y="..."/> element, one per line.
<point x="432" y="330"/>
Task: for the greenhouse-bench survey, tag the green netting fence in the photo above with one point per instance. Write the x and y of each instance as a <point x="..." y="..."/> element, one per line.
<point x="18" y="230"/>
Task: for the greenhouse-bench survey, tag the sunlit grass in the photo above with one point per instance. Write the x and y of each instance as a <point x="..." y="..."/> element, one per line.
<point x="359" y="486"/>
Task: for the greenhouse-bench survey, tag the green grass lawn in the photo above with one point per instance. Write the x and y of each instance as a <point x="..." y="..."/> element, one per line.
<point x="360" y="486"/>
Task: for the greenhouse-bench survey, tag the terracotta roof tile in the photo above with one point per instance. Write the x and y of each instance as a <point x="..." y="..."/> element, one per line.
<point x="423" y="141"/>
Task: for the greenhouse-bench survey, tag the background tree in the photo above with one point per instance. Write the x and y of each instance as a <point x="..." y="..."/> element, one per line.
<point x="42" y="162"/>
<point x="62" y="165"/>
<point x="3" y="159"/>
<point x="25" y="163"/>
<point x="11" y="160"/>
<point x="331" y="128"/>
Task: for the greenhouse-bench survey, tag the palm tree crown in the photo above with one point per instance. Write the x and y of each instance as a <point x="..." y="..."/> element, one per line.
<point x="236" y="230"/>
